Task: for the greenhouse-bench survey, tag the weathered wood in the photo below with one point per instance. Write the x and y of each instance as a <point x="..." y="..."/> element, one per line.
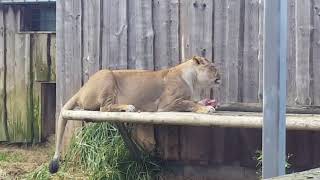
<point x="260" y="53"/>
<point x="196" y="31"/>
<point x="52" y="54"/>
<point x="219" y="46"/>
<point x="291" y="60"/>
<point x="18" y="80"/>
<point x="219" y="56"/>
<point x="219" y="119"/>
<point x="3" y="124"/>
<point x="250" y="55"/>
<point x="91" y="34"/>
<point x="309" y="174"/>
<point x="233" y="57"/>
<point x="166" y="26"/>
<point x="114" y="34"/>
<point x="303" y="31"/>
<point x="144" y="35"/>
<point x="70" y="61"/>
<point x="316" y="52"/>
<point x="39" y="56"/>
<point x="166" y="54"/>
<point x="256" y="107"/>
<point x="196" y="172"/>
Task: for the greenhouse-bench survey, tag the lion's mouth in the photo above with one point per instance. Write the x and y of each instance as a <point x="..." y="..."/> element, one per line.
<point x="217" y="81"/>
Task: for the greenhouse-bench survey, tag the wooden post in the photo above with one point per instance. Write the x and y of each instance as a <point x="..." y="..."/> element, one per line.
<point x="274" y="88"/>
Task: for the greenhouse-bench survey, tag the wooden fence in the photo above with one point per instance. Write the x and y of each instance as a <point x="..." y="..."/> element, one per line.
<point x="26" y="60"/>
<point x="156" y="34"/>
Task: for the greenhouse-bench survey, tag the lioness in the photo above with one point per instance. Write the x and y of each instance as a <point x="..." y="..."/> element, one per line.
<point x="174" y="89"/>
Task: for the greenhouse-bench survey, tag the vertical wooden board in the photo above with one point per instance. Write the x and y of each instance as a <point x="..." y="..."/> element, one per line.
<point x="219" y="46"/>
<point x="37" y="123"/>
<point x="166" y="54"/>
<point x="91" y="37"/>
<point x="233" y="57"/>
<point x="71" y="62"/>
<point x="195" y="144"/>
<point x="250" y="54"/>
<point x="144" y="35"/>
<point x="291" y="58"/>
<point x="219" y="93"/>
<point x="303" y="26"/>
<point x="40" y="57"/>
<point x="250" y="85"/>
<point x="196" y="39"/>
<point x="316" y="52"/>
<point x="260" y="53"/>
<point x="18" y="82"/>
<point x="131" y="35"/>
<point x="52" y="51"/>
<point x="316" y="74"/>
<point x="167" y="139"/>
<point x="3" y="120"/>
<point x="114" y="34"/>
<point x="196" y="28"/>
<point x="60" y="70"/>
<point x="166" y="27"/>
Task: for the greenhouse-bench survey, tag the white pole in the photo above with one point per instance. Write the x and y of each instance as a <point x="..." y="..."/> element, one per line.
<point x="274" y="88"/>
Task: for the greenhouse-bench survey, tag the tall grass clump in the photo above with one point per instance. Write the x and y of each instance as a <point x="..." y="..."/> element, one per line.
<point x="99" y="150"/>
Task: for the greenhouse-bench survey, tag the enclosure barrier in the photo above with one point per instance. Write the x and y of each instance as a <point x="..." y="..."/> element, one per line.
<point x="219" y="119"/>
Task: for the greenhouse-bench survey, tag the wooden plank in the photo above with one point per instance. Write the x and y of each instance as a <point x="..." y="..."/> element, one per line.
<point x="166" y="27"/>
<point x="18" y="80"/>
<point x="39" y="56"/>
<point x="166" y="54"/>
<point x="316" y="52"/>
<point x="233" y="57"/>
<point x="219" y="46"/>
<point x="219" y="92"/>
<point x="52" y="55"/>
<point x="303" y="26"/>
<point x="3" y="124"/>
<point x="250" y="72"/>
<point x="309" y="174"/>
<point x="291" y="60"/>
<point x="69" y="64"/>
<point x="114" y="34"/>
<point x="250" y="54"/>
<point x="144" y="35"/>
<point x="274" y="88"/>
<point x="91" y="36"/>
<point x="316" y="73"/>
<point x="260" y="53"/>
<point x="196" y="31"/>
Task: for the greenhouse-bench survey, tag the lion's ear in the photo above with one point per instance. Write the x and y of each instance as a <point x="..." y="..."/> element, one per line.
<point x="197" y="60"/>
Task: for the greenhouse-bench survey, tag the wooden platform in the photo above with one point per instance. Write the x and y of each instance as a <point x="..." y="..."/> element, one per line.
<point x="310" y="174"/>
<point x="218" y="119"/>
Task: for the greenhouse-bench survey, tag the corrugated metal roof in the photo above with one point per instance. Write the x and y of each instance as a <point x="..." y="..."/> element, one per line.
<point x="25" y="1"/>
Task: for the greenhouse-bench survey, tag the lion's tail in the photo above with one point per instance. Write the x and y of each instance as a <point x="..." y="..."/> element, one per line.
<point x="70" y="104"/>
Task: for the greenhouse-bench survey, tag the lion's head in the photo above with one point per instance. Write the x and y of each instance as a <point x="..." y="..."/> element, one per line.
<point x="207" y="73"/>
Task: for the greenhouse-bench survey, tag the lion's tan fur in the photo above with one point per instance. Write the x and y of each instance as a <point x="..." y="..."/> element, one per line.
<point x="174" y="89"/>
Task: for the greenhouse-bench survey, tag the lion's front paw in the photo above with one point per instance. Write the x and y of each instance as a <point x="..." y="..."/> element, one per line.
<point x="130" y="108"/>
<point x="206" y="110"/>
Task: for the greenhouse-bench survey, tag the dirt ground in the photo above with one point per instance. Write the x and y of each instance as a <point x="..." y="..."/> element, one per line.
<point x="17" y="161"/>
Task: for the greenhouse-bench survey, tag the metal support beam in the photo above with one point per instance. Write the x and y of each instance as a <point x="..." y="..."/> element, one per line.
<point x="274" y="88"/>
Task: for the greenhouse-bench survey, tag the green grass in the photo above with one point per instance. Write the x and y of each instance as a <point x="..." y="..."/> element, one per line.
<point x="99" y="152"/>
<point x="258" y="158"/>
<point x="11" y="157"/>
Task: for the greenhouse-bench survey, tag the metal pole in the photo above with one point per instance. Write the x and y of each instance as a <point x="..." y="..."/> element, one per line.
<point x="274" y="88"/>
